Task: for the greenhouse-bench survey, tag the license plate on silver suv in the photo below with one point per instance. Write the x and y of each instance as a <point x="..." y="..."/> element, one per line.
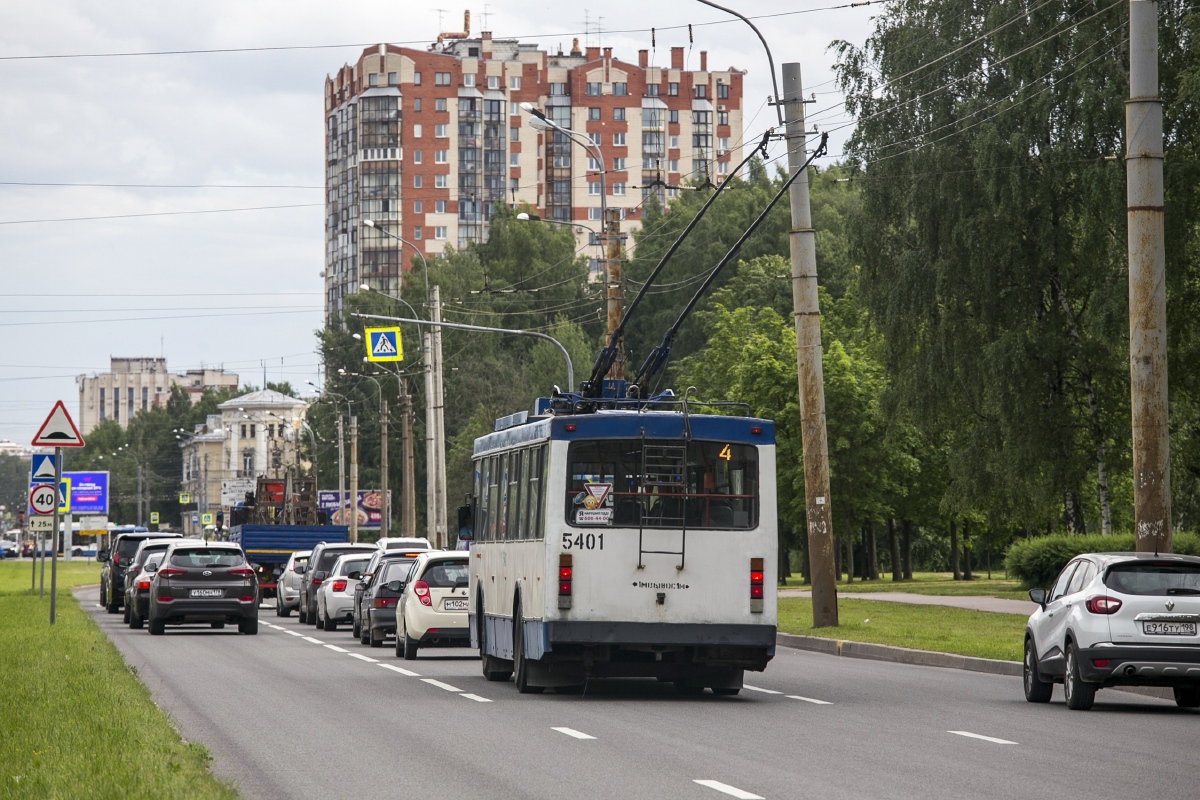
<point x="1169" y="628"/>
<point x="206" y="593"/>
<point x="455" y="604"/>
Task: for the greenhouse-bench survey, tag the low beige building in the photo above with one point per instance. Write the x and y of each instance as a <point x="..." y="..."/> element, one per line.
<point x="139" y="384"/>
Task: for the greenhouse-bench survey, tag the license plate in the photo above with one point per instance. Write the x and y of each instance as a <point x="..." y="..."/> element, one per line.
<point x="207" y="593"/>
<point x="1169" y="628"/>
<point x="455" y="604"/>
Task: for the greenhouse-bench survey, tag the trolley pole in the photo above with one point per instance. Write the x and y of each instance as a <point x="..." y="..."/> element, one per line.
<point x="809" y="371"/>
<point x="612" y="277"/>
<point x="1147" y="285"/>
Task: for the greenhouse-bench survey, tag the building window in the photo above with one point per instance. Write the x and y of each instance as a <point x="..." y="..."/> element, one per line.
<point x="493" y="81"/>
<point x="723" y="143"/>
<point x="594" y="138"/>
<point x="652" y="90"/>
<point x="416" y="79"/>
<point x="253" y="432"/>
<point x="593" y="213"/>
<point x="243" y="430"/>
<point x="514" y="159"/>
<point x="102" y="415"/>
<point x="593" y="113"/>
<point x="417" y="232"/>
<point x="673" y="165"/>
<point x="619" y="189"/>
<point x="514" y="82"/>
<point x="593" y="164"/>
<point x="673" y="89"/>
<point x="129" y="404"/>
<point x="391" y="79"/>
<point x="722" y="117"/>
<point x="469" y="80"/>
<point x="514" y="134"/>
<point x="593" y="89"/>
<point x="372" y="79"/>
<point x="271" y="431"/>
<point x="416" y="181"/>
<point x="514" y="109"/>
<point x="558" y="90"/>
<point x="618" y="164"/>
<point x="722" y="167"/>
<point x="439" y="206"/>
<point x="619" y="114"/>
<point x="594" y="187"/>
<point x="514" y="184"/>
<point x="439" y="104"/>
<point x="673" y="116"/>
<point x="145" y="398"/>
<point x="620" y="89"/>
<point x="417" y="206"/>
<point x="416" y="104"/>
<point x="417" y="130"/>
<point x="701" y="91"/>
<point x="674" y="142"/>
<point x="439" y="232"/>
<point x="441" y="131"/>
<point x="441" y="156"/>
<point x="441" y="79"/>
<point x="618" y="140"/>
<point x="439" y="181"/>
<point x="416" y="156"/>
<point x="722" y="91"/>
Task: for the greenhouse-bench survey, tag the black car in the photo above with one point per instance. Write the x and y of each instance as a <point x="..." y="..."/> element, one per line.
<point x="380" y="597"/>
<point x="137" y="563"/>
<point x="116" y="561"/>
<point x="359" y="613"/>
<point x="317" y="569"/>
<point x="204" y="582"/>
<point x="137" y="592"/>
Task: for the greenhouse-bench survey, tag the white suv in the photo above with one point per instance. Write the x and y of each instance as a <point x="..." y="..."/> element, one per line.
<point x="1116" y="619"/>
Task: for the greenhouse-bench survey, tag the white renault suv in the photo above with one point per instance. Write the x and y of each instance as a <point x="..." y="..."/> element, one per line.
<point x="1116" y="619"/>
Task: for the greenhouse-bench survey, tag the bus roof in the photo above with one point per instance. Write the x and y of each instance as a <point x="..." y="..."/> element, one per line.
<point x="620" y="424"/>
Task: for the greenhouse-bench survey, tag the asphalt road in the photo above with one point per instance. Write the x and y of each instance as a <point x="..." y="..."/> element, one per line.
<point x="299" y="713"/>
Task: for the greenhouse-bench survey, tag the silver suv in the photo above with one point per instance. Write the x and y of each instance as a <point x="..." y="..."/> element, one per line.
<point x="1116" y="619"/>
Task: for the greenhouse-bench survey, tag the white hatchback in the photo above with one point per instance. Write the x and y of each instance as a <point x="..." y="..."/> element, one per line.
<point x="433" y="608"/>
<point x="1116" y="619"/>
<point x="335" y="595"/>
<point x="287" y="592"/>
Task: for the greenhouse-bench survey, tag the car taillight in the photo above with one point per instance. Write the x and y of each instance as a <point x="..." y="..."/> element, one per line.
<point x="246" y="598"/>
<point x="1103" y="604"/>
<point x="756" y="585"/>
<point x="1100" y="663"/>
<point x="241" y="572"/>
<point x="317" y="581"/>
<point x="165" y="598"/>
<point x="566" y="575"/>
<point x="339" y="586"/>
<point x="421" y="590"/>
<point x="116" y="558"/>
<point x="384" y="602"/>
<point x="143" y="584"/>
<point x="170" y="572"/>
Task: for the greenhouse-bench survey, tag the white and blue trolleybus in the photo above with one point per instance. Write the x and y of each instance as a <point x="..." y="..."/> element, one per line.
<point x="630" y="540"/>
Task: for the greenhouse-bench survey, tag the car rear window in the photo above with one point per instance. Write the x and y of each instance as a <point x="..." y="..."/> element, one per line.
<point x="396" y="571"/>
<point x="445" y="574"/>
<point x="150" y="549"/>
<point x="205" y="557"/>
<point x="127" y="547"/>
<point x="154" y="559"/>
<point x="329" y="558"/>
<point x="1154" y="578"/>
<point x="356" y="565"/>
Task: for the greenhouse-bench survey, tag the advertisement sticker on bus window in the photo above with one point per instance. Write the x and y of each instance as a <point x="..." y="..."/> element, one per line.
<point x="596" y="494"/>
<point x="597" y="516"/>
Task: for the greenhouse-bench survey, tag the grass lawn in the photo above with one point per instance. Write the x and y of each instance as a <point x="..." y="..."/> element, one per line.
<point x="935" y="583"/>
<point x="982" y="634"/>
<point x="74" y="722"/>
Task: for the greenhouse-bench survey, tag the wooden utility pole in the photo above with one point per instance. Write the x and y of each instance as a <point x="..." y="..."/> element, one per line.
<point x="806" y="308"/>
<point x="353" y="510"/>
<point x="1147" y="285"/>
<point x="612" y="279"/>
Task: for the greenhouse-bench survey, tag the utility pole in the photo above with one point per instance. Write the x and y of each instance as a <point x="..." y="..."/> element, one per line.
<point x="385" y="509"/>
<point x="408" y="490"/>
<point x="612" y="277"/>
<point x="341" y="469"/>
<point x="803" y="247"/>
<point x="430" y="426"/>
<point x="139" y="494"/>
<point x="204" y="490"/>
<point x="438" y="403"/>
<point x="353" y="480"/>
<point x="1147" y="285"/>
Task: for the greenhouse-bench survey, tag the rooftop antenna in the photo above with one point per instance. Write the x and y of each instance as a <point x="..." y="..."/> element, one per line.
<point x="485" y="15"/>
<point x="440" y="11"/>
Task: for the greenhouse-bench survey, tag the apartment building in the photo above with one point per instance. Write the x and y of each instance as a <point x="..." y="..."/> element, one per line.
<point x="427" y="143"/>
<point x="139" y="384"/>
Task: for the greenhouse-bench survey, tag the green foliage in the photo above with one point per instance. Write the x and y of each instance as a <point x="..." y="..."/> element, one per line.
<point x="14" y="483"/>
<point x="1037" y="561"/>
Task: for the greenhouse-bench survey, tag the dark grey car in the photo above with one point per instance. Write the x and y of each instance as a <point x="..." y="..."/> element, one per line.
<point x="380" y="597"/>
<point x="206" y="582"/>
<point x="323" y="557"/>
<point x="137" y="593"/>
<point x="116" y="560"/>
<point x="361" y="604"/>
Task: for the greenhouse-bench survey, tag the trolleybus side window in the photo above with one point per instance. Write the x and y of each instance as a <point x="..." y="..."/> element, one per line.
<point x="512" y="500"/>
<point x="663" y="484"/>
<point x="533" y="505"/>
<point x="514" y="495"/>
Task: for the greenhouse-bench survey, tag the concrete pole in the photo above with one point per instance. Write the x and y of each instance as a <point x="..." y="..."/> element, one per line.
<point x="139" y="494"/>
<point x="353" y="480"/>
<point x="439" y="418"/>
<point x="408" y="490"/>
<point x="612" y="277"/>
<point x="1147" y="285"/>
<point x="385" y="509"/>
<point x="802" y="241"/>
<point x="341" y="470"/>
<point x="430" y="426"/>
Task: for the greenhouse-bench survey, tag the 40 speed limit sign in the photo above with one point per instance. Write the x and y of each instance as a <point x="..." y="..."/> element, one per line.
<point x="43" y="498"/>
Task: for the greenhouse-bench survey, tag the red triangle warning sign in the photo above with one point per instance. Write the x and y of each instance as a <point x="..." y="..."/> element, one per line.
<point x="58" y="430"/>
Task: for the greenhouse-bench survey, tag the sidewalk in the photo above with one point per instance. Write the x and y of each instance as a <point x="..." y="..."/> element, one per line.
<point x="995" y="604"/>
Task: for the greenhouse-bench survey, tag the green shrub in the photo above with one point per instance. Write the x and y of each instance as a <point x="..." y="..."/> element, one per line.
<point x="1036" y="562"/>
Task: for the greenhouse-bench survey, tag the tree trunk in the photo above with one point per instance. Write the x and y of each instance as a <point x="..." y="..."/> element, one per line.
<point x="874" y="572"/>
<point x="784" y="568"/>
<point x="837" y="558"/>
<point x="849" y="552"/>
<point x="907" y="554"/>
<point x="894" y="544"/>
<point x="954" y="550"/>
<point x="966" y="546"/>
<point x="1069" y="510"/>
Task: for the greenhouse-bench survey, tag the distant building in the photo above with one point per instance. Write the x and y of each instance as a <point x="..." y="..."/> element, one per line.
<point x="427" y="143"/>
<point x="10" y="448"/>
<point x="139" y="384"/>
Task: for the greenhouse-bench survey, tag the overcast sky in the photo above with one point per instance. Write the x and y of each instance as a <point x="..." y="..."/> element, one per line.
<point x="242" y="288"/>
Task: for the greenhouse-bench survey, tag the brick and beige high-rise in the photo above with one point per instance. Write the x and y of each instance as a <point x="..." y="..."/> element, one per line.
<point x="427" y="143"/>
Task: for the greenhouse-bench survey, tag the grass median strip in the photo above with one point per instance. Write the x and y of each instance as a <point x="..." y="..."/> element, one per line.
<point x="934" y="583"/>
<point x="76" y="722"/>
<point x="981" y="634"/>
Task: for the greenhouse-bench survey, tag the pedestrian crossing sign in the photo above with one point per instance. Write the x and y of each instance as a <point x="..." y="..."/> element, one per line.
<point x="383" y="344"/>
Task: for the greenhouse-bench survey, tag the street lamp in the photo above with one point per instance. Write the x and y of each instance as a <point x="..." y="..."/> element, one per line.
<point x="539" y="121"/>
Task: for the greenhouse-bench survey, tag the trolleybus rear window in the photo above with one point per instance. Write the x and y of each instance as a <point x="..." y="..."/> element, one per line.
<point x="662" y="484"/>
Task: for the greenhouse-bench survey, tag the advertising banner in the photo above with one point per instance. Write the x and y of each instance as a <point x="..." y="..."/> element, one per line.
<point x="89" y="492"/>
<point x="370" y="501"/>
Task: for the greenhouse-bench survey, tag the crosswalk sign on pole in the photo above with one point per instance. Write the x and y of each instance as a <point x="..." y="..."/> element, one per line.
<point x="64" y="496"/>
<point x="41" y="468"/>
<point x="383" y="344"/>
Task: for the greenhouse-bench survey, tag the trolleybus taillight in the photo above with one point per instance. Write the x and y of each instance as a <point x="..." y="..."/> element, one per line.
<point x="565" y="576"/>
<point x="756" y="585"/>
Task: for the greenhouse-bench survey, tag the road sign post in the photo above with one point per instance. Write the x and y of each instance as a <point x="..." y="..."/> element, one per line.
<point x="58" y="431"/>
<point x="54" y="534"/>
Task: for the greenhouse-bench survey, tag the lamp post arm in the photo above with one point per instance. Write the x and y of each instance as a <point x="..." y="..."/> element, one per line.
<point x="770" y="60"/>
<point x="460" y="326"/>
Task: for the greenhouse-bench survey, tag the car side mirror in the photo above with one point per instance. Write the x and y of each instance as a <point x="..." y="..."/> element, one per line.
<point x="354" y="576"/>
<point x="152" y="568"/>
<point x="395" y="586"/>
<point x="102" y="556"/>
<point x="1038" y="596"/>
<point x="319" y="575"/>
<point x="362" y="586"/>
<point x="300" y="570"/>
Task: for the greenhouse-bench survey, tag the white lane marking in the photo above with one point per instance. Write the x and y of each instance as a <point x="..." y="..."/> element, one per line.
<point x="573" y="733"/>
<point x="294" y="633"/>
<point x="336" y="648"/>
<point x="475" y="697"/>
<point x="314" y="641"/>
<point x="970" y="735"/>
<point x="812" y="700"/>
<point x="401" y="670"/>
<point x="759" y="689"/>
<point x="361" y="657"/>
<point x="441" y="685"/>
<point x="732" y="791"/>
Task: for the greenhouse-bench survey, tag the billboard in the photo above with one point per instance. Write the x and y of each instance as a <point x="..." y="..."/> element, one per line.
<point x="370" y="501"/>
<point x="89" y="492"/>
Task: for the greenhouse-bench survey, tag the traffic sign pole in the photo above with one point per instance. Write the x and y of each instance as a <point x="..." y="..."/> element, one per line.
<point x="58" y="462"/>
